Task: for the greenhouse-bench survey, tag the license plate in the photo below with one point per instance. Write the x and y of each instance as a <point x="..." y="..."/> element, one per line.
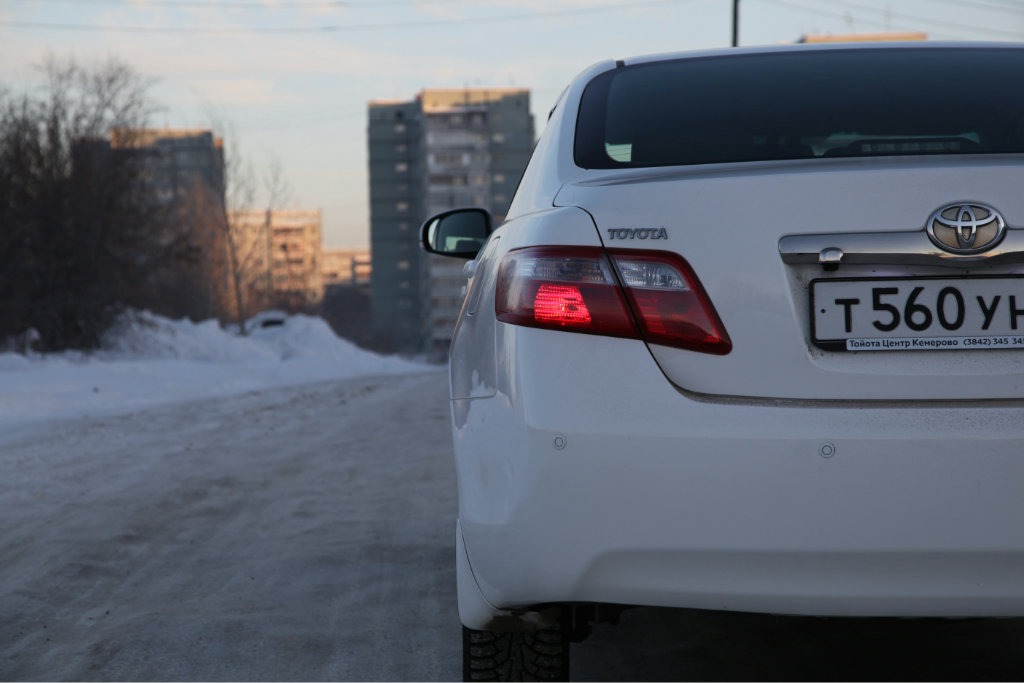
<point x="918" y="314"/>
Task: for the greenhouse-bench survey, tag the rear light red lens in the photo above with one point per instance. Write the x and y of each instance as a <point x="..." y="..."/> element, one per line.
<point x="562" y="305"/>
<point x="563" y="288"/>
<point x="670" y="302"/>
<point x="650" y="295"/>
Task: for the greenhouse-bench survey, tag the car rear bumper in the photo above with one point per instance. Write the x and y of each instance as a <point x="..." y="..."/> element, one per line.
<point x="612" y="486"/>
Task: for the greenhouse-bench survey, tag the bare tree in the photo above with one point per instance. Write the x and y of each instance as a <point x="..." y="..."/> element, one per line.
<point x="76" y="225"/>
<point x="276" y="188"/>
<point x="248" y="229"/>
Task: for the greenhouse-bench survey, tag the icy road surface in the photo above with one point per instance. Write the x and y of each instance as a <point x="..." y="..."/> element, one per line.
<point x="293" y="534"/>
<point x="306" y="534"/>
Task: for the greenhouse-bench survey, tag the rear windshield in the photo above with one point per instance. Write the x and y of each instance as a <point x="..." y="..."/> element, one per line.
<point x="798" y="105"/>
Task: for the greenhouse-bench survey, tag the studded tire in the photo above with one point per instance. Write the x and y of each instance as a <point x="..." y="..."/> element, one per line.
<point x="541" y="655"/>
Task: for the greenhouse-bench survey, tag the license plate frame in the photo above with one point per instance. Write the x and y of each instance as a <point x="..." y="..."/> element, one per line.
<point x="850" y="326"/>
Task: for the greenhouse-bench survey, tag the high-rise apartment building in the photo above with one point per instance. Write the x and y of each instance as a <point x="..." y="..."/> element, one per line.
<point x="279" y="258"/>
<point x="296" y="241"/>
<point x="178" y="158"/>
<point x="184" y="176"/>
<point x="346" y="308"/>
<point x="345" y="266"/>
<point x="399" y="286"/>
<point x="445" y="149"/>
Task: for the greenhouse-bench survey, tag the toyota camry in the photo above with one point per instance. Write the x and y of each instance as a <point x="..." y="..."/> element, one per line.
<point x="750" y="338"/>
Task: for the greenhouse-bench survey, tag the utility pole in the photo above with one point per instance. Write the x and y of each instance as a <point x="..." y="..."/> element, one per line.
<point x="735" y="22"/>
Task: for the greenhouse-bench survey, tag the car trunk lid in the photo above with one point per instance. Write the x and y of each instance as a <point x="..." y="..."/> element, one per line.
<point x="750" y="232"/>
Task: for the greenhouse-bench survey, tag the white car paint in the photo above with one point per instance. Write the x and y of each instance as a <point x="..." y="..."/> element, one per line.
<point x="777" y="478"/>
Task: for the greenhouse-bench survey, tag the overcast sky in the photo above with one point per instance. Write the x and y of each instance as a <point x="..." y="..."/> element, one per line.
<point x="293" y="77"/>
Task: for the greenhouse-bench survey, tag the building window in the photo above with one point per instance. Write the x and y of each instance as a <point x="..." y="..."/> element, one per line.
<point x="404" y="264"/>
<point x="401" y="167"/>
<point x="498" y="138"/>
<point x="402" y="206"/>
<point x="499" y="177"/>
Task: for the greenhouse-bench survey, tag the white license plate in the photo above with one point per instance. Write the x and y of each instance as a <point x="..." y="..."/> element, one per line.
<point x="919" y="314"/>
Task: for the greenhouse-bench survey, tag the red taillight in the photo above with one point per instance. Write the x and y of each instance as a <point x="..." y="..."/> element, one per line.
<point x="562" y="305"/>
<point x="563" y="288"/>
<point x="648" y="295"/>
<point x="670" y="302"/>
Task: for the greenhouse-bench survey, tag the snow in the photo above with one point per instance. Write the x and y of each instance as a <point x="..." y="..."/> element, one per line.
<point x="147" y="360"/>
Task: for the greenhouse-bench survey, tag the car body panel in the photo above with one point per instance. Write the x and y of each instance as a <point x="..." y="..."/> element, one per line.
<point x="570" y="493"/>
<point x="473" y="342"/>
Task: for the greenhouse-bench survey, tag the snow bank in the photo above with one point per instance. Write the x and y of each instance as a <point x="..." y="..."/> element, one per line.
<point x="147" y="360"/>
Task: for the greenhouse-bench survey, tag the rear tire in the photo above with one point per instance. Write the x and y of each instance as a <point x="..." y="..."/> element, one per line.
<point x="541" y="655"/>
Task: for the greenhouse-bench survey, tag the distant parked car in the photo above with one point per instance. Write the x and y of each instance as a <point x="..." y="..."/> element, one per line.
<point x="265" y="319"/>
<point x="752" y="339"/>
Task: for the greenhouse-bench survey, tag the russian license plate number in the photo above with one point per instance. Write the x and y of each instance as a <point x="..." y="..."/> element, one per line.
<point x="919" y="314"/>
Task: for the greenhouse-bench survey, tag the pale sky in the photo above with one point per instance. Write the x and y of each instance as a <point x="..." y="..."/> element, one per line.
<point x="293" y="77"/>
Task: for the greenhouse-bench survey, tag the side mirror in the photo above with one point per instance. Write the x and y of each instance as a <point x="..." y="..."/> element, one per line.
<point x="460" y="233"/>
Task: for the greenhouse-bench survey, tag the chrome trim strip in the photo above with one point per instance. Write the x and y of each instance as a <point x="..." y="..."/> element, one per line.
<point x="886" y="248"/>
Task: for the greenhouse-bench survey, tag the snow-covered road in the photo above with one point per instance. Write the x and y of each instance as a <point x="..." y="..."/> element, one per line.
<point x="290" y="534"/>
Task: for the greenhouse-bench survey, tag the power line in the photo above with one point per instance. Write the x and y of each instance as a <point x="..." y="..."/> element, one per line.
<point x="818" y="10"/>
<point x="327" y="28"/>
<point x="261" y="4"/>
<point x="924" y="20"/>
<point x="918" y="22"/>
<point x="994" y="5"/>
<point x="192" y="30"/>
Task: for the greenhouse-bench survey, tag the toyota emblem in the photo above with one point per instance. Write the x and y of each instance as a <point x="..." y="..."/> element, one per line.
<point x="966" y="229"/>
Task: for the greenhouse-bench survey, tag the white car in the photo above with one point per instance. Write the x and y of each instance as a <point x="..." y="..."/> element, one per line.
<point x="751" y="338"/>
